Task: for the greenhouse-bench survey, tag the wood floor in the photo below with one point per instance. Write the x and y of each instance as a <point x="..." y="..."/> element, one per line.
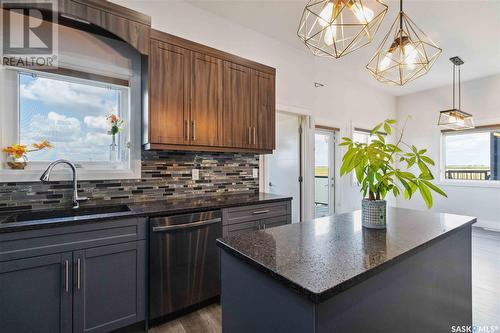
<point x="485" y="292"/>
<point x="206" y="320"/>
<point x="486" y="277"/>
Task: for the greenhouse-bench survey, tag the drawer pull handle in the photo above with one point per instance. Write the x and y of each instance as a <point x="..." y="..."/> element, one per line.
<point x="261" y="212"/>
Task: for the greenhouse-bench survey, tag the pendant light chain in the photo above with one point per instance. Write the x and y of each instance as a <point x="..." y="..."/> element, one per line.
<point x="454" y="83"/>
<point x="400" y="14"/>
<point x="459" y="90"/>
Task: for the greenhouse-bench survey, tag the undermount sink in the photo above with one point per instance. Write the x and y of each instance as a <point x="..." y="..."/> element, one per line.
<point x="63" y="213"/>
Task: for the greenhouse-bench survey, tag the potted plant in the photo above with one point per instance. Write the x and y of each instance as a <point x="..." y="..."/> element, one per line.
<point x="382" y="168"/>
<point x="17" y="154"/>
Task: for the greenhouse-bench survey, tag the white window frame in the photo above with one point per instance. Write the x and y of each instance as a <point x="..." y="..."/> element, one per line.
<point x="9" y="133"/>
<point x="461" y="182"/>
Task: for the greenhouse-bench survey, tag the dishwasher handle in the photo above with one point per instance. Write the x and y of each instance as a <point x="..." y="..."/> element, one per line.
<point x="187" y="225"/>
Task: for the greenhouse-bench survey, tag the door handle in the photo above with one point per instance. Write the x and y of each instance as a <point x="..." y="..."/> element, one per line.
<point x="78" y="274"/>
<point x="187" y="225"/>
<point x="193" y="124"/>
<point x="254" y="136"/>
<point x="66" y="276"/>
<point x="186" y="128"/>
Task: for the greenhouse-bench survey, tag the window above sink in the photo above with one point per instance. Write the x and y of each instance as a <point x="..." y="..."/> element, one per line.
<point x="97" y="77"/>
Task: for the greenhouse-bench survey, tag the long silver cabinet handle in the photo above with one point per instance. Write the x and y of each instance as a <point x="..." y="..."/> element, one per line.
<point x="187" y="225"/>
<point x="261" y="212"/>
<point x="66" y="276"/>
<point x="78" y="274"/>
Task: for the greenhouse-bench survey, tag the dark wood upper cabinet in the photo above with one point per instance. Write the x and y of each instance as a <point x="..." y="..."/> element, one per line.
<point x="264" y="108"/>
<point x="206" y="100"/>
<point x="169" y="73"/>
<point x="203" y="99"/>
<point x="238" y="117"/>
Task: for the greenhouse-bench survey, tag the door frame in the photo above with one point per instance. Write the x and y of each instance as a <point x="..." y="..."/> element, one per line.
<point x="332" y="166"/>
<point x="264" y="162"/>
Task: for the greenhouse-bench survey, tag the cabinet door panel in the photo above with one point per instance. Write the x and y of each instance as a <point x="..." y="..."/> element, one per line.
<point x="111" y="290"/>
<point x="264" y="99"/>
<point x="237" y="114"/>
<point x="36" y="294"/>
<point x="206" y="100"/>
<point x="169" y="93"/>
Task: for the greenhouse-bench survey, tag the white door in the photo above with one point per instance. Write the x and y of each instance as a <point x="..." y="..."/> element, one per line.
<point x="284" y="163"/>
<point x="324" y="173"/>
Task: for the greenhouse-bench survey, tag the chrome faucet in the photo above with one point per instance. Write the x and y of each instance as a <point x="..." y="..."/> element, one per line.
<point x="45" y="178"/>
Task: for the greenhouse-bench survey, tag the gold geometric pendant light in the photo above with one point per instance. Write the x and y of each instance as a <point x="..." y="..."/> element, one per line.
<point x="405" y="54"/>
<point x="334" y="28"/>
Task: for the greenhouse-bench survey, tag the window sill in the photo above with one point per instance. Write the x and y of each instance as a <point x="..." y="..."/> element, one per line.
<point x="470" y="183"/>
<point x="24" y="176"/>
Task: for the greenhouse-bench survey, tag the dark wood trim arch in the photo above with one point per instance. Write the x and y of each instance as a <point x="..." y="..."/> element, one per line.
<point x="130" y="26"/>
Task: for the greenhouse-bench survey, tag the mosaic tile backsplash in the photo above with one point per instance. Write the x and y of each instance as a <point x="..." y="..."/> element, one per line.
<point x="164" y="175"/>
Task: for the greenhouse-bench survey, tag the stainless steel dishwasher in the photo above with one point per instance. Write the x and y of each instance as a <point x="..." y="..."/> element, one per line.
<point x="184" y="263"/>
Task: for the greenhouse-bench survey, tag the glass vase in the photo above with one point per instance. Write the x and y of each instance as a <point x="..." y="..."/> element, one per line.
<point x="17" y="163"/>
<point x="113" y="150"/>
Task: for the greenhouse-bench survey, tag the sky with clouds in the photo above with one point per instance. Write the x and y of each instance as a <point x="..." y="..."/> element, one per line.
<point x="468" y="149"/>
<point x="72" y="116"/>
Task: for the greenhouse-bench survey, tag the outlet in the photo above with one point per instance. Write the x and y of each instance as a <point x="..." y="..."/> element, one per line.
<point x="195" y="173"/>
<point x="255" y="173"/>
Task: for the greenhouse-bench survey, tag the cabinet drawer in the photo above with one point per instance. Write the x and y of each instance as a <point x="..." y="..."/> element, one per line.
<point x="255" y="212"/>
<point x="276" y="221"/>
<point x="232" y="229"/>
<point x="23" y="244"/>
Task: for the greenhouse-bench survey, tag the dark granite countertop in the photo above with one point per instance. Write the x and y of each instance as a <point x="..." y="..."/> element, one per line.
<point x="323" y="257"/>
<point x="154" y="208"/>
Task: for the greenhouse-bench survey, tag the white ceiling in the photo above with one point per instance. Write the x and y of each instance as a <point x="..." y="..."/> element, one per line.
<point x="466" y="28"/>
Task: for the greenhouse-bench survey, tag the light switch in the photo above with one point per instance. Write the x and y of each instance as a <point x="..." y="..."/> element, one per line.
<point x="195" y="174"/>
<point x="255" y="173"/>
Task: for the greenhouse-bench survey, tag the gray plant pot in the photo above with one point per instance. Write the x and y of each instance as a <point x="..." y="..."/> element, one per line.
<point x="373" y="213"/>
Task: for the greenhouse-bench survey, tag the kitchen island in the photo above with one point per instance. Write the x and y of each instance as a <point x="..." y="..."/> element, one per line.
<point x="333" y="275"/>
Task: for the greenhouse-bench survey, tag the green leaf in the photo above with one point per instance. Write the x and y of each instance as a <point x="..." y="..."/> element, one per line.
<point x="387" y="128"/>
<point x="423" y="167"/>
<point x="421" y="152"/>
<point x="395" y="191"/>
<point x="426" y="194"/>
<point x="435" y="188"/>
<point x="407" y="188"/>
<point x="427" y="160"/>
<point x="391" y="121"/>
<point x="375" y="129"/>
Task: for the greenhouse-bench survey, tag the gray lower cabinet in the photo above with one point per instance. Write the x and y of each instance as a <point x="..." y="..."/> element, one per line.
<point x="97" y="285"/>
<point x="108" y="287"/>
<point x="255" y="217"/>
<point x="36" y="294"/>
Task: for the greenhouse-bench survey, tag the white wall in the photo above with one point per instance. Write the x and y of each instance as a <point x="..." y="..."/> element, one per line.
<point x="481" y="98"/>
<point x="339" y="103"/>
